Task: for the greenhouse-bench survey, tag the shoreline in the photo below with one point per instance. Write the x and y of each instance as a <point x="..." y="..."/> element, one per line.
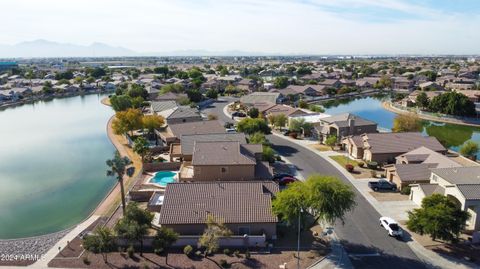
<point x="387" y="106"/>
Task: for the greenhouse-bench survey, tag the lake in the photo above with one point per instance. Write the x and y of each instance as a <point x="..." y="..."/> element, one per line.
<point x="451" y="135"/>
<point x="53" y="171"/>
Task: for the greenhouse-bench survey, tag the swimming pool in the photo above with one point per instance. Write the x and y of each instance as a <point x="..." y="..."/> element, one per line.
<point x="162" y="178"/>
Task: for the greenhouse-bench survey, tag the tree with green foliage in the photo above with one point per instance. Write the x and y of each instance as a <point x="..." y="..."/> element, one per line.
<point x="300" y="126"/>
<point x="137" y="90"/>
<point x="121" y="102"/>
<point x="211" y="236"/>
<point x="280" y="82"/>
<point x="331" y="141"/>
<point x="319" y="197"/>
<point x="118" y="167"/>
<point x="302" y="104"/>
<point x="152" y="122"/>
<point x="253" y="112"/>
<point x="175" y="88"/>
<point x="141" y="146"/>
<point x="407" y="123"/>
<point x="162" y="70"/>
<point x="127" y="121"/>
<point x="250" y="126"/>
<point x="439" y="217"/>
<point x="195" y="96"/>
<point x="102" y="241"/>
<point x="135" y="223"/>
<point x="67" y="75"/>
<point x="268" y="154"/>
<point x="302" y="70"/>
<point x="164" y="239"/>
<point x="212" y="94"/>
<point x="96" y="72"/>
<point x="258" y="138"/>
<point x="316" y="108"/>
<point x="470" y="149"/>
<point x="422" y="100"/>
<point x="452" y="103"/>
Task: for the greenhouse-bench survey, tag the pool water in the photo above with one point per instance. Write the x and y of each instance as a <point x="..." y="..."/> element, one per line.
<point x="163" y="178"/>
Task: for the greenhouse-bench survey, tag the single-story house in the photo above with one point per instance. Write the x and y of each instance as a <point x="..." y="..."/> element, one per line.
<point x="244" y="207"/>
<point x="174" y="113"/>
<point x="385" y="147"/>
<point x="173" y="132"/>
<point x="461" y="184"/>
<point x="258" y="97"/>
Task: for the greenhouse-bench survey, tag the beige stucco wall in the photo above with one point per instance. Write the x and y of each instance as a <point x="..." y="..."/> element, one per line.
<point x="269" y="229"/>
<point x="416" y="195"/>
<point x="214" y="172"/>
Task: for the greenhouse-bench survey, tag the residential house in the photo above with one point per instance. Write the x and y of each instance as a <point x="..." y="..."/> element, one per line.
<point x="431" y="86"/>
<point x="461" y="184"/>
<point x="174" y="113"/>
<point x="244" y="207"/>
<point x="343" y="125"/>
<point x="247" y="85"/>
<point x="225" y="160"/>
<point x="330" y="83"/>
<point x="402" y="84"/>
<point x="259" y="97"/>
<point x="414" y="166"/>
<point x="385" y="147"/>
<point x="411" y="99"/>
<point x="170" y="96"/>
<point x="299" y="91"/>
<point x="173" y="132"/>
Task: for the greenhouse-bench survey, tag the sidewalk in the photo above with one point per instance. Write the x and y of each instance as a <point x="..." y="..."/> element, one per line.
<point x="421" y="252"/>
<point x="43" y="263"/>
<point x="338" y="258"/>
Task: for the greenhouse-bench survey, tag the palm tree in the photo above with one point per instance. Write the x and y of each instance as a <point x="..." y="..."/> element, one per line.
<point x="118" y="167"/>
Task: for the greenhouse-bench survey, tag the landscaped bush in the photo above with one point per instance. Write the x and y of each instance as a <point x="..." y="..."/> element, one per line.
<point x="86" y="260"/>
<point x="293" y="135"/>
<point x="130" y="251"/>
<point x="158" y="251"/>
<point x="247" y="254"/>
<point x="227" y="252"/>
<point x="349" y="167"/>
<point x="187" y="250"/>
<point x="361" y="164"/>
<point x="224" y="263"/>
<point x="405" y="190"/>
<point x="237" y="254"/>
<point x="372" y="165"/>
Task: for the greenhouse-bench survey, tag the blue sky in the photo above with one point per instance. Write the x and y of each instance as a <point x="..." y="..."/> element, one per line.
<point x="272" y="26"/>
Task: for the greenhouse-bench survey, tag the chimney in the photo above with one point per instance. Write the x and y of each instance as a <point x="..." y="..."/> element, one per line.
<point x="351" y="125"/>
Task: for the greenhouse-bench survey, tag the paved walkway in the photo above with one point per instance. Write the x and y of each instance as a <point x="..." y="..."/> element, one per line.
<point x="422" y="253"/>
<point x="43" y="263"/>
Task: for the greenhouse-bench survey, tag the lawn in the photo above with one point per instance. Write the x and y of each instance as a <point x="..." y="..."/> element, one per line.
<point x="342" y="160"/>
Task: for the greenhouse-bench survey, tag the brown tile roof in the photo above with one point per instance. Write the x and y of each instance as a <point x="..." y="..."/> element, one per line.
<point x="283" y="109"/>
<point x="413" y="172"/>
<point x="220" y="153"/>
<point x="430" y="189"/>
<point x="470" y="191"/>
<point x="400" y="142"/>
<point x="188" y="141"/>
<point x="459" y="175"/>
<point x="232" y="202"/>
<point x="196" y="127"/>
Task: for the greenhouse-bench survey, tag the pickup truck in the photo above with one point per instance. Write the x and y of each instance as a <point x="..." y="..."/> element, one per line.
<point x="382" y="184"/>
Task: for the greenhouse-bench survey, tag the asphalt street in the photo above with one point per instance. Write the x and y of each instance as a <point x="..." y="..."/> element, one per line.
<point x="366" y="243"/>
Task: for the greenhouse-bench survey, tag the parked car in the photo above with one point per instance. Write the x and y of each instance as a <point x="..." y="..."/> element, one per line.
<point x="391" y="226"/>
<point x="277" y="177"/>
<point x="382" y="184"/>
<point x="286" y="180"/>
<point x="239" y="114"/>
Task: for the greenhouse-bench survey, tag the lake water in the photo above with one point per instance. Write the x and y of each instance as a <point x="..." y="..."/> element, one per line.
<point x="52" y="164"/>
<point x="451" y="135"/>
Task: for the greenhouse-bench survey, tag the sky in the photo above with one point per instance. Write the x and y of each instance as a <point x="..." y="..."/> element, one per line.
<point x="262" y="26"/>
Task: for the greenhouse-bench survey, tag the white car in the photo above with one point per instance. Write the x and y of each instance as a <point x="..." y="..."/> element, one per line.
<point x="391" y="226"/>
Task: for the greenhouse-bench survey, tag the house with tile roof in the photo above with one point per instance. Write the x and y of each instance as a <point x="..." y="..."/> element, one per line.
<point x="343" y="125"/>
<point x="245" y="207"/>
<point x="461" y="184"/>
<point x="174" y="113"/>
<point x="385" y="147"/>
<point x="173" y="132"/>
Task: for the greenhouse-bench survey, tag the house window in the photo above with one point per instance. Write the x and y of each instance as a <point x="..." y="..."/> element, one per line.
<point x="243" y="230"/>
<point x="224" y="170"/>
<point x="434" y="178"/>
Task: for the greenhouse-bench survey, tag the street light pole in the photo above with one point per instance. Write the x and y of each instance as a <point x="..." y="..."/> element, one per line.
<point x="298" y="239"/>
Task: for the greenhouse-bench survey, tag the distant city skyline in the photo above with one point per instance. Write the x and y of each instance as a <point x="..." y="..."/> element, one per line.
<point x="313" y="27"/>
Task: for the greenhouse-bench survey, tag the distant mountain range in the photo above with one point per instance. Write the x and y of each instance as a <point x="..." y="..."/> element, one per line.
<point x="46" y="49"/>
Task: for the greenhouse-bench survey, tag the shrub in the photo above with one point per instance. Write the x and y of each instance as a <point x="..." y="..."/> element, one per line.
<point x="224" y="263"/>
<point x="349" y="167"/>
<point x="130" y="251"/>
<point x="361" y="164"/>
<point x="247" y="254"/>
<point x="158" y="251"/>
<point x="198" y="253"/>
<point x="293" y="135"/>
<point x="187" y="250"/>
<point x="372" y="165"/>
<point x="278" y="158"/>
<point x="227" y="252"/>
<point x="86" y="260"/>
<point x="405" y="190"/>
<point x="373" y="173"/>
<point x="237" y="254"/>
